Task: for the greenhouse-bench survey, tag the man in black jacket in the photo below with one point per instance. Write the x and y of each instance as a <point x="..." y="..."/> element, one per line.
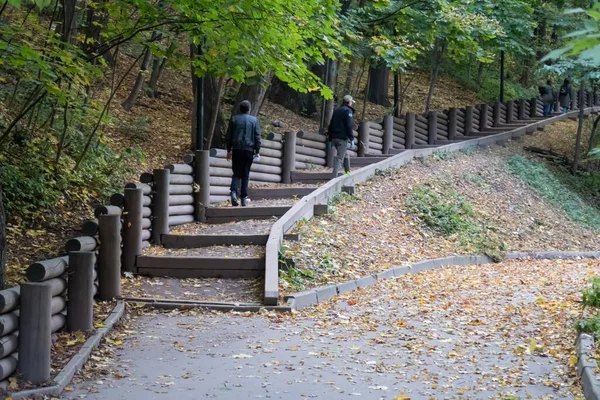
<point x="243" y="144"/>
<point x="340" y="133"/>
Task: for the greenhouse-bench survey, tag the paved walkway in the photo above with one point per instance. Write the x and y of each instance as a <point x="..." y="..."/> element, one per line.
<point x="498" y="331"/>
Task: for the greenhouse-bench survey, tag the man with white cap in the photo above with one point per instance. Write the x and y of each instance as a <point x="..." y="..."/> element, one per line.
<point x="340" y="133"/>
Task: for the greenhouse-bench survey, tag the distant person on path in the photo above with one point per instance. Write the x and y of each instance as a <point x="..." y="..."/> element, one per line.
<point x="340" y="133"/>
<point x="548" y="98"/>
<point x="243" y="145"/>
<point x="564" y="96"/>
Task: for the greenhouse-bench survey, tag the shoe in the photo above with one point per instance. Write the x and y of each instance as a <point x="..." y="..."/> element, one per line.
<point x="245" y="201"/>
<point x="347" y="173"/>
<point x="234" y="199"/>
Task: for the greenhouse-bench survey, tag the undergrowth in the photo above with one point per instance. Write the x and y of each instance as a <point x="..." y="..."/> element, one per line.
<point x="557" y="187"/>
<point x="591" y="299"/>
<point x="452" y="215"/>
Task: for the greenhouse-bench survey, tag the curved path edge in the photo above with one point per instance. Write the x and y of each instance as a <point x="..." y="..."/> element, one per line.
<point x="304" y="208"/>
<point x="587" y="366"/>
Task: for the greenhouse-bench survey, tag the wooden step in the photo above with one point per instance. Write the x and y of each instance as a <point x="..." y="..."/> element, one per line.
<point x="193" y="241"/>
<point x="280" y="192"/>
<point x="201" y="267"/>
<point x="311" y="177"/>
<point x="393" y="152"/>
<point x="363" y="161"/>
<point x="218" y="215"/>
<point x="425" y="146"/>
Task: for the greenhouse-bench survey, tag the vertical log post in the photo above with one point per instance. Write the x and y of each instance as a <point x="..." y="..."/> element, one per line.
<point x="521" y="112"/>
<point x="132" y="231"/>
<point x="35" y="332"/>
<point x="289" y="156"/>
<point x="573" y="99"/>
<point x="557" y="106"/>
<point x="388" y="133"/>
<point x="363" y="139"/>
<point x="410" y="131"/>
<point x="452" y="113"/>
<point x="590" y="99"/>
<point x="160" y="204"/>
<point x="80" y="290"/>
<point x="510" y="111"/>
<point x="483" y="122"/>
<point x="202" y="191"/>
<point x="330" y="155"/>
<point x="533" y="107"/>
<point x="468" y="120"/>
<point x="431" y="127"/>
<point x="109" y="256"/>
<point x="497" y="114"/>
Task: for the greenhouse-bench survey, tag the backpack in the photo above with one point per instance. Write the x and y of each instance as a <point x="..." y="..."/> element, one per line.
<point x="564" y="90"/>
<point x="542" y="90"/>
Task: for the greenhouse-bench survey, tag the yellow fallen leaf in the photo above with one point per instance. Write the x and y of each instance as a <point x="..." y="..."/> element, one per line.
<point x="532" y="346"/>
<point x="68" y="389"/>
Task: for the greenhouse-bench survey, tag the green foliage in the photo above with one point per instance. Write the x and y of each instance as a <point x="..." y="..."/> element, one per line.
<point x="591" y="296"/>
<point x="550" y="186"/>
<point x="442" y="155"/>
<point x="342" y="198"/>
<point x="451" y="214"/>
<point x="446" y="213"/>
<point x="589" y="325"/>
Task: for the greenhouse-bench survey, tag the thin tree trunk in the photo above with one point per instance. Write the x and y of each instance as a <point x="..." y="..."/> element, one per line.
<point x="480" y="74"/>
<point x="255" y="94"/>
<point x="139" y="81"/>
<point x="69" y="23"/>
<point x="438" y="55"/>
<point x="213" y="119"/>
<point x="158" y="67"/>
<point x="364" y="109"/>
<point x="330" y="104"/>
<point x="63" y="136"/>
<point x="348" y="88"/>
<point x="579" y="129"/>
<point x="591" y="143"/>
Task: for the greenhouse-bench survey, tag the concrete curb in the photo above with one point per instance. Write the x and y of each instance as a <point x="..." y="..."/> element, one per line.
<point x="586" y="365"/>
<point x="65" y="376"/>
<point x="307" y="298"/>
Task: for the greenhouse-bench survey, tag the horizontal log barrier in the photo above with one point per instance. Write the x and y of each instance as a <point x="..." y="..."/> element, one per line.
<point x="421" y="118"/>
<point x="47" y="269"/>
<point x="420" y="141"/>
<point x="398" y="140"/>
<point x="315" y="137"/>
<point x="276" y="137"/>
<point x="307" y="151"/>
<point x="311" y="143"/>
<point x="443" y="117"/>
<point x="226" y="181"/>
<point x="256" y="167"/>
<point x="9" y="322"/>
<point x="9" y="344"/>
<point x="422" y="125"/>
<point x="441" y="137"/>
<point x="374" y="151"/>
<point x="355" y="133"/>
<point x="181" y="210"/>
<point x="89" y="227"/>
<point x="146" y="223"/>
<point x="375" y="125"/>
<point x="181" y="179"/>
<point x="441" y="127"/>
<point x="8" y="365"/>
<point x="375" y="132"/>
<point x="375" y="146"/>
<point x="146" y="177"/>
<point x="181" y="189"/>
<point x="146" y="234"/>
<point x="180" y="220"/>
<point x="189" y="158"/>
<point x="181" y="199"/>
<point x="311" y="160"/>
<point x="219" y="160"/>
<point x="145" y="244"/>
<point x="58" y="322"/>
<point x="421" y="133"/>
<point x="264" y="152"/>
<point x="83" y="243"/>
<point x="220" y="190"/>
<point x="146" y="212"/>
<point x="9" y="299"/>
<point x="375" y="139"/>
<point x="398" y="146"/>
<point x="270" y="144"/>
<point x="117" y="199"/>
<point x="146" y="201"/>
<point x="400" y="127"/>
<point x="107" y="210"/>
<point x="146" y="189"/>
<point x="180" y="169"/>
<point x="254" y="176"/>
<point x="57" y="304"/>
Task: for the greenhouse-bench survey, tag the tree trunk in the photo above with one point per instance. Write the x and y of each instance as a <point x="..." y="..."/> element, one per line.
<point x="139" y="81"/>
<point x="330" y="105"/>
<point x="69" y="22"/>
<point x="379" y="82"/>
<point x="210" y="108"/>
<point x="2" y="241"/>
<point x="579" y="129"/>
<point x="215" y="114"/>
<point x="158" y="67"/>
<point x="480" y="73"/>
<point x="592" y="143"/>
<point x="438" y="56"/>
<point x="96" y="20"/>
<point x="348" y="88"/>
<point x="254" y="93"/>
<point x="300" y="103"/>
<point x="364" y="108"/>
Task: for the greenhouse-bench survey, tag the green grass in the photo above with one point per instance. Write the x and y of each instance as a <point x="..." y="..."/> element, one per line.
<point x="559" y="188"/>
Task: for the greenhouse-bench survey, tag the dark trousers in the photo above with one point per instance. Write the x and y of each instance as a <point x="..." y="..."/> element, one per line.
<point x="241" y="161"/>
<point x="548" y="108"/>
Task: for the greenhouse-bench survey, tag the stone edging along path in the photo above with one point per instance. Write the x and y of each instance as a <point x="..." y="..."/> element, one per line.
<point x="65" y="376"/>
